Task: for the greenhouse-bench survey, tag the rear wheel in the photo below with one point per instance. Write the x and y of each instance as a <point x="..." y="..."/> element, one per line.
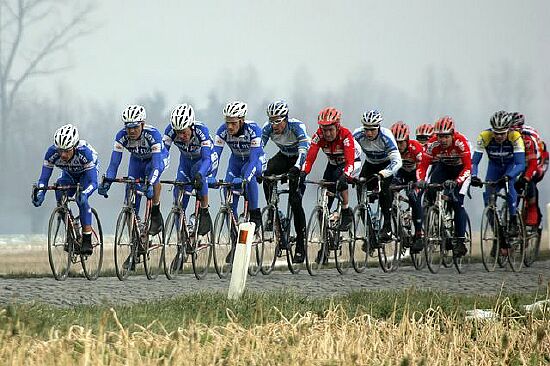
<point x="174" y="256"/>
<point x="434" y="240"/>
<point x="315" y="245"/>
<point x="532" y="245"/>
<point x="462" y="264"/>
<point x="123" y="249"/>
<point x="92" y="264"/>
<point x="272" y="232"/>
<point x="202" y="251"/>
<point x="60" y="245"/>
<point x="223" y="244"/>
<point x="345" y="247"/>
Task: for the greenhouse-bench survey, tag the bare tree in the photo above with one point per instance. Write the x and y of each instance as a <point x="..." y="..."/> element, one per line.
<point x="22" y="57"/>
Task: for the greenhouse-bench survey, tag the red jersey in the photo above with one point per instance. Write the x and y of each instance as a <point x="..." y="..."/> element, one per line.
<point x="412" y="156"/>
<point x="457" y="154"/>
<point x="340" y="151"/>
<point x="530" y="155"/>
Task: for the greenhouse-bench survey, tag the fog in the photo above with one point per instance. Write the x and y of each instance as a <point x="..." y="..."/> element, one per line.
<point x="415" y="61"/>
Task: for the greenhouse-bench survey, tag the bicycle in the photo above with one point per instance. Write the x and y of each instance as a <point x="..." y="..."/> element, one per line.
<point x="182" y="238"/>
<point x="440" y="234"/>
<point x="279" y="233"/>
<point x="323" y="235"/>
<point x="368" y="221"/>
<point x="226" y="230"/>
<point x="495" y="225"/>
<point x="133" y="242"/>
<point x="402" y="211"/>
<point x="64" y="237"/>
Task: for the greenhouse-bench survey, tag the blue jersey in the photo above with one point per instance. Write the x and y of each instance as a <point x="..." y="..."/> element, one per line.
<point x="245" y="146"/>
<point x="380" y="150"/>
<point x="198" y="148"/>
<point x="509" y="154"/>
<point x="84" y="161"/>
<point x="148" y="147"/>
<point x="293" y="141"/>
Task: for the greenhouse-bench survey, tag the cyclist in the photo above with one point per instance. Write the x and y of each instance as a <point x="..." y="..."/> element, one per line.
<point x="536" y="166"/>
<point x="247" y="160"/>
<point x="148" y="159"/>
<point x="449" y="152"/>
<point x="423" y="133"/>
<point x="382" y="159"/>
<point x="411" y="155"/>
<point x="506" y="153"/>
<point x="193" y="140"/>
<point x="79" y="164"/>
<point x="343" y="154"/>
<point x="290" y="136"/>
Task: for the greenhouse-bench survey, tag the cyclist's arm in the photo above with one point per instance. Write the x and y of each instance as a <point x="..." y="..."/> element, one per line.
<point x="478" y="153"/>
<point x="425" y="163"/>
<point x="303" y="144"/>
<point x="466" y="158"/>
<point x="219" y="143"/>
<point x="47" y="169"/>
<point x="256" y="151"/>
<point x="395" y="157"/>
<point x="116" y="157"/>
<point x="166" y="138"/>
<point x="311" y="154"/>
<point x="531" y="159"/>
<point x="266" y="133"/>
<point x="349" y="155"/>
<point x="519" y="156"/>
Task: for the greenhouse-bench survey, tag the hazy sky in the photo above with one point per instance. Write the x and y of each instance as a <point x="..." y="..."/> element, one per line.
<point x="186" y="47"/>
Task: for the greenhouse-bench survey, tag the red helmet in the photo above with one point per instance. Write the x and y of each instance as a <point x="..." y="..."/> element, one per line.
<point x="425" y="130"/>
<point x="445" y="125"/>
<point x="400" y="131"/>
<point x="329" y="116"/>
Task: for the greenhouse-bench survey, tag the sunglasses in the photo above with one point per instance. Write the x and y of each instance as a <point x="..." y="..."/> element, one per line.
<point x="276" y="121"/>
<point x="500" y="133"/>
<point x="444" y="135"/>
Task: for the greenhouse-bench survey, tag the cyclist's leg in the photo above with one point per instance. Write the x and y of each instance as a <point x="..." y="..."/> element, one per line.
<point x="414" y="199"/>
<point x="252" y="190"/>
<point x="331" y="174"/>
<point x="234" y="171"/>
<point x="65" y="179"/>
<point x="88" y="181"/>
<point x="278" y="164"/>
<point x="205" y="223"/>
<point x="136" y="169"/>
<point x="533" y="215"/>
<point x="184" y="175"/>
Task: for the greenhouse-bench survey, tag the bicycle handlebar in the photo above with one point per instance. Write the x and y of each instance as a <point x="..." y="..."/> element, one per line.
<point x="127" y="180"/>
<point x="275" y="177"/>
<point x="177" y="183"/>
<point x="322" y="183"/>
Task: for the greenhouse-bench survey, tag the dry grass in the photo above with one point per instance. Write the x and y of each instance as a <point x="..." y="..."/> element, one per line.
<point x="333" y="338"/>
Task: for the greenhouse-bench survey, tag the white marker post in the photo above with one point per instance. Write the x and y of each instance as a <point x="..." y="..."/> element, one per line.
<point x="241" y="260"/>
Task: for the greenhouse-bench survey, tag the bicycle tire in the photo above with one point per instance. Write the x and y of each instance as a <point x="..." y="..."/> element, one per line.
<point x="124" y="249"/>
<point x="345" y="248"/>
<point x="271" y="238"/>
<point x="532" y="245"/>
<point x="224" y="244"/>
<point x="256" y="252"/>
<point x="152" y="258"/>
<point x="174" y="256"/>
<point x="462" y="264"/>
<point x="361" y="247"/>
<point x="315" y="243"/>
<point x="489" y="239"/>
<point x="291" y="239"/>
<point x="60" y="247"/>
<point x="389" y="253"/>
<point x="202" y="251"/>
<point x="434" y="240"/>
<point x="516" y="255"/>
<point x="92" y="264"/>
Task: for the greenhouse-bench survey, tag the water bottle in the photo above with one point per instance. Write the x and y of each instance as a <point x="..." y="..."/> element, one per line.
<point x="191" y="223"/>
<point x="76" y="226"/>
<point x="334" y="216"/>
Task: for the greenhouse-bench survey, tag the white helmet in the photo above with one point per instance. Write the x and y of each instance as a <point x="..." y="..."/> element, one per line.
<point x="134" y="114"/>
<point x="183" y="116"/>
<point x="66" y="137"/>
<point x="278" y="108"/>
<point x="235" y="109"/>
<point x="372" y="119"/>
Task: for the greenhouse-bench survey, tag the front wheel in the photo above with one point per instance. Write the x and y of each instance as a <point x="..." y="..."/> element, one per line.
<point x="516" y="253"/>
<point x="123" y="248"/>
<point x="389" y="253"/>
<point x="92" y="264"/>
<point x="257" y="252"/>
<point x="345" y="247"/>
<point x="224" y="244"/>
<point x="463" y="263"/>
<point x="174" y="256"/>
<point x="434" y="240"/>
<point x="489" y="240"/>
<point x="60" y="246"/>
<point x="202" y="251"/>
<point x="272" y="234"/>
<point x="315" y="245"/>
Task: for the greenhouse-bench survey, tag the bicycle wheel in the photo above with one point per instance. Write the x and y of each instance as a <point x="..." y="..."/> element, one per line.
<point x="60" y="246"/>
<point x="489" y="240"/>
<point x="463" y="263"/>
<point x="389" y="253"/>
<point x="516" y="253"/>
<point x="361" y="247"/>
<point x="434" y="240"/>
<point x="152" y="258"/>
<point x="123" y="249"/>
<point x="257" y="252"/>
<point x="532" y="245"/>
<point x="315" y="244"/>
<point x="92" y="264"/>
<point x="272" y="232"/>
<point x="223" y="244"/>
<point x="345" y="248"/>
<point x="290" y="235"/>
<point x="174" y="256"/>
<point x="202" y="251"/>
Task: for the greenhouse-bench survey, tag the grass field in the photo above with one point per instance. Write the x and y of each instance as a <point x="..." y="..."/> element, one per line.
<point x="393" y="328"/>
